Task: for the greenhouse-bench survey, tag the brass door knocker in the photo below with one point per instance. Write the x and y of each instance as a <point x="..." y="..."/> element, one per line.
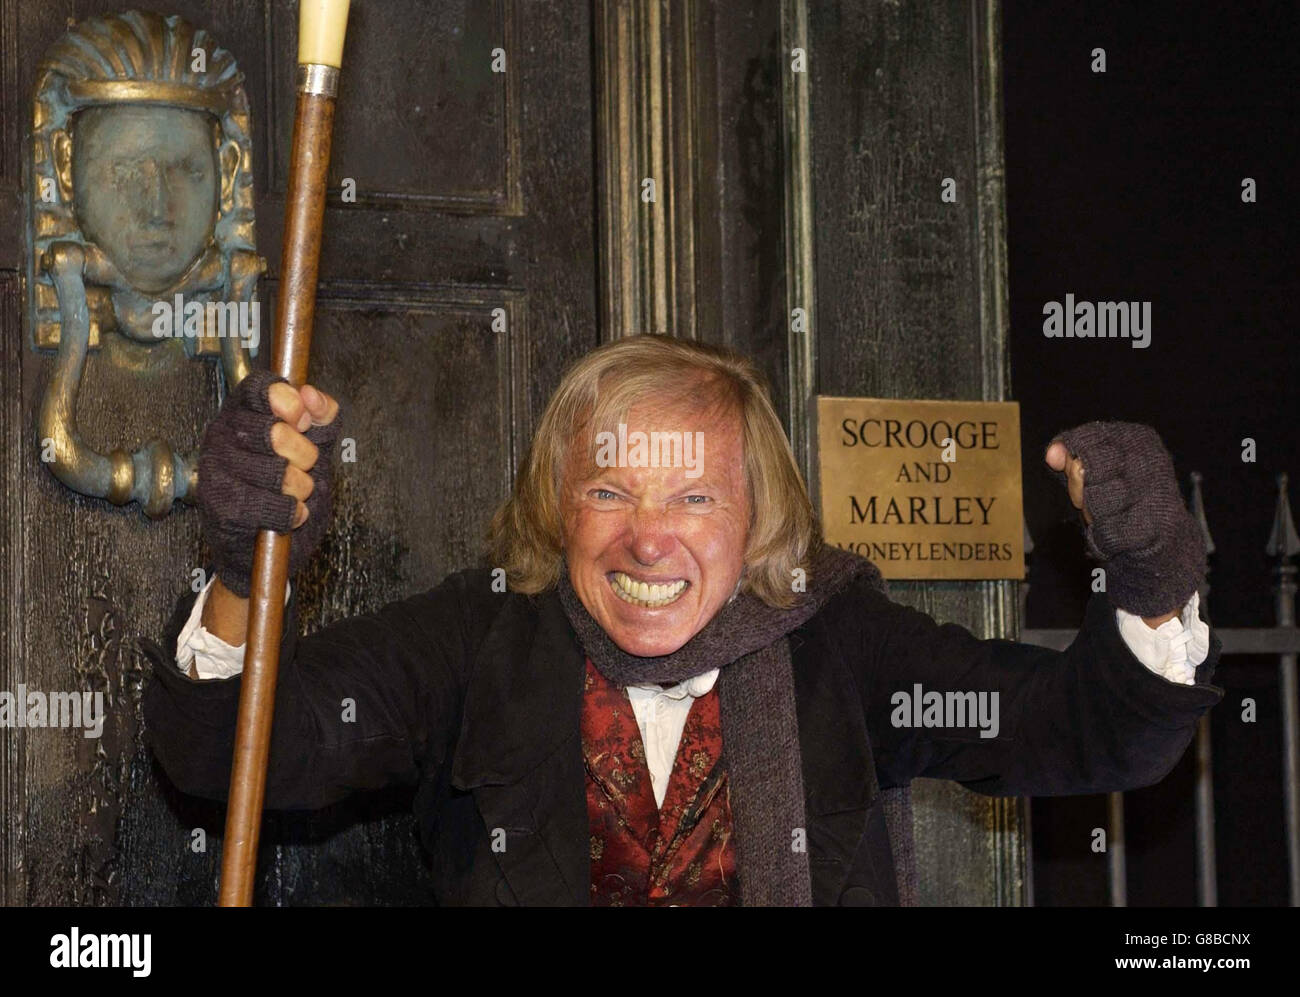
<point x="140" y="226"/>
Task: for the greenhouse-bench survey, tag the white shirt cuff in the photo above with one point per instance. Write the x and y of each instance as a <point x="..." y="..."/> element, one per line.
<point x="211" y="656"/>
<point x="1173" y="649"/>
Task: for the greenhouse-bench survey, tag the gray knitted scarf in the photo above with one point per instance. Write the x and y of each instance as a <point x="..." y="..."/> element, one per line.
<point x="747" y="640"/>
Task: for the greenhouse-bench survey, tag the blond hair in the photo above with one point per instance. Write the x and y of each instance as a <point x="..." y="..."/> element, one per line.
<point x="525" y="537"/>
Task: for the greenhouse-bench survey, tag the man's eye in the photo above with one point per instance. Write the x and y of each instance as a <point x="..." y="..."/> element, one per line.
<point x="697" y="499"/>
<point x="604" y="494"/>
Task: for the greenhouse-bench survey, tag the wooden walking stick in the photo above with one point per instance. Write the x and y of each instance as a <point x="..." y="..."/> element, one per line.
<point x="321" y="25"/>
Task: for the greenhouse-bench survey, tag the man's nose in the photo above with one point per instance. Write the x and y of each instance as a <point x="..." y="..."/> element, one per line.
<point x="652" y="537"/>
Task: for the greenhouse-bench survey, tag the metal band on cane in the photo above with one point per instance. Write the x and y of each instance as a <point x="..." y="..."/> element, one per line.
<point x="314" y="78"/>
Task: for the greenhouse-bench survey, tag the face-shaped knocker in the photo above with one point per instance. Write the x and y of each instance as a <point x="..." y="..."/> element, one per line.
<point x="141" y="226"/>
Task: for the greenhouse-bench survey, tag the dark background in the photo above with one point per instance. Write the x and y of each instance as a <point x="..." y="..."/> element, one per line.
<point x="1126" y="185"/>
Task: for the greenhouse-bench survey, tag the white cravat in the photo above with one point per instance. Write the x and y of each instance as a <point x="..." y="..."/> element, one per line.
<point x="661" y="716"/>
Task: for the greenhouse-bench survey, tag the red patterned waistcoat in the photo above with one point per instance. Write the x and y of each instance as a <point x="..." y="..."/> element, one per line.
<point x="642" y="855"/>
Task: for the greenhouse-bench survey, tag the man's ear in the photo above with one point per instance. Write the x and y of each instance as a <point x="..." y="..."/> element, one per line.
<point x="61" y="146"/>
<point x="228" y="157"/>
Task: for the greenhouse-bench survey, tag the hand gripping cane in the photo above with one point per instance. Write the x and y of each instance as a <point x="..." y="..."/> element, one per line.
<point x="321" y="26"/>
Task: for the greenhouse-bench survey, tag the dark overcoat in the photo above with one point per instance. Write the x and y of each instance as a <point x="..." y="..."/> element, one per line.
<point x="474" y="698"/>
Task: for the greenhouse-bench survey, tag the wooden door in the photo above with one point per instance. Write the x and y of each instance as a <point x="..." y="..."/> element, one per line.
<point x="478" y="191"/>
<point x="473" y="193"/>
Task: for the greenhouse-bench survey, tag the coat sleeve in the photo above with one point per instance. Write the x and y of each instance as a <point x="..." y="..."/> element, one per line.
<point x="1089" y="719"/>
<point x="360" y="704"/>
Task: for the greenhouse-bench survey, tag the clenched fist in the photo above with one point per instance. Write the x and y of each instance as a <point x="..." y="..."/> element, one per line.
<point x="1121" y="478"/>
<point x="265" y="464"/>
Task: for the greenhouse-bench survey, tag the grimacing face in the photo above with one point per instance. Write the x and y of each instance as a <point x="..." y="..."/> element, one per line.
<point x="655" y="525"/>
<point x="146" y="188"/>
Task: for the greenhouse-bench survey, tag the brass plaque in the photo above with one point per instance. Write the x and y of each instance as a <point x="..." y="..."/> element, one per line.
<point x="925" y="489"/>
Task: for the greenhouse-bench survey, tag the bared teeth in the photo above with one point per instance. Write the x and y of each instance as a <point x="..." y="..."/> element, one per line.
<point x="650" y="595"/>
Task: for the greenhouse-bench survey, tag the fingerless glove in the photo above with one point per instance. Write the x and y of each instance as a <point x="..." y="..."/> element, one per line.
<point x="240" y="481"/>
<point x="1154" y="551"/>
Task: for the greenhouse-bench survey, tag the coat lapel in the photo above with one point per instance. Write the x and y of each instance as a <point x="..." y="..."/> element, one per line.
<point x="833" y="746"/>
<point x="520" y="753"/>
<point x="613" y="752"/>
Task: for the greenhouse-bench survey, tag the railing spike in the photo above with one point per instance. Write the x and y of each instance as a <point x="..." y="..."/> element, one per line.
<point x="1283" y="541"/>
<point x="1198" y="512"/>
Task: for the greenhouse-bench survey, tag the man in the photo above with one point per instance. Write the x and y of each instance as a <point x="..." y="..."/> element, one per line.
<point x="684" y="697"/>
